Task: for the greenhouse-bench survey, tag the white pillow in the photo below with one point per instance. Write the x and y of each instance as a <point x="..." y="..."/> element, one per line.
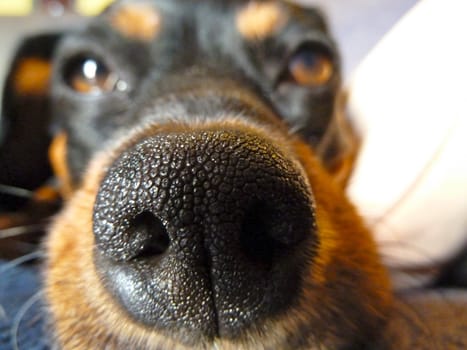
<point x="409" y="99"/>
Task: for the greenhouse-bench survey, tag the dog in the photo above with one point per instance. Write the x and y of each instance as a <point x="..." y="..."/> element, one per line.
<point x="202" y="156"/>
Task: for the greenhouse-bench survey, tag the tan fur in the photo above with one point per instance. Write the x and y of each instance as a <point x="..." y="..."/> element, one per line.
<point x="46" y="194"/>
<point x="139" y="21"/>
<point x="345" y="277"/>
<point x="258" y="20"/>
<point x="32" y="77"/>
<point x="57" y="158"/>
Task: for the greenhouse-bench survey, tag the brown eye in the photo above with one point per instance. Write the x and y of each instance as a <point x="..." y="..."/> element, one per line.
<point x="310" y="67"/>
<point x="88" y="75"/>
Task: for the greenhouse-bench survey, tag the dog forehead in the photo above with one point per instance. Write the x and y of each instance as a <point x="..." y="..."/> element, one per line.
<point x="144" y="20"/>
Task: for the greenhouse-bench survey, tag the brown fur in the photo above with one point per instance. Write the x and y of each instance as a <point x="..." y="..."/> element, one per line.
<point x="347" y="290"/>
<point x="46" y="194"/>
<point x="139" y="21"/>
<point x="258" y="20"/>
<point x="57" y="157"/>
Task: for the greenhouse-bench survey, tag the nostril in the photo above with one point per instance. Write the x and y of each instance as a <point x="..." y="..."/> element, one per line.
<point x="148" y="235"/>
<point x="257" y="234"/>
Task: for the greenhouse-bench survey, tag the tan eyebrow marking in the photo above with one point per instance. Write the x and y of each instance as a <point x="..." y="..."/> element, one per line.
<point x="138" y="21"/>
<point x="258" y="20"/>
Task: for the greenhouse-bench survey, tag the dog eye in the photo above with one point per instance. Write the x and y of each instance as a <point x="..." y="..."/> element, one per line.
<point x="88" y="75"/>
<point x="310" y="67"/>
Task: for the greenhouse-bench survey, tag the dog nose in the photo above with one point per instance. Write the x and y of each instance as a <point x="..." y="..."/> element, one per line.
<point x="206" y="231"/>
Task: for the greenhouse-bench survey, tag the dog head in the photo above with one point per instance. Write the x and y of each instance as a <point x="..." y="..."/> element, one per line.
<point x="196" y="145"/>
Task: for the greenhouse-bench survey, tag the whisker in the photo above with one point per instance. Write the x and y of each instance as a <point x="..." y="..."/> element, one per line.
<point x="398" y="241"/>
<point x="21" y="260"/>
<point x="20" y="230"/>
<point x="295" y="129"/>
<point x="19" y="317"/>
<point x="2" y="313"/>
<point x="16" y="191"/>
<point x="391" y="251"/>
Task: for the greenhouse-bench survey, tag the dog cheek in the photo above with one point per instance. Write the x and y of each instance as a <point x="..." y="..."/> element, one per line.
<point x="347" y="274"/>
<point x="68" y="263"/>
<point x="70" y="281"/>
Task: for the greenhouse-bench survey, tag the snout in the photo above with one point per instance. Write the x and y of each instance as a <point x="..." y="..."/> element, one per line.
<point x="204" y="233"/>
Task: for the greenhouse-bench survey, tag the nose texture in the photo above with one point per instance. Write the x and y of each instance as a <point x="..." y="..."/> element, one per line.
<point x="203" y="233"/>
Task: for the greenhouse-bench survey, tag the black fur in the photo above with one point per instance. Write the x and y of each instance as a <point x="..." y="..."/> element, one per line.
<point x="194" y="44"/>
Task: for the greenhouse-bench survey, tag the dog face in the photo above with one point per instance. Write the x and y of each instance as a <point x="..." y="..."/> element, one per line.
<point x="140" y="54"/>
<point x="198" y="214"/>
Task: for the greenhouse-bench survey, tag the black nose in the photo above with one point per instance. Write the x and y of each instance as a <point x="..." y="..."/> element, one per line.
<point x="204" y="233"/>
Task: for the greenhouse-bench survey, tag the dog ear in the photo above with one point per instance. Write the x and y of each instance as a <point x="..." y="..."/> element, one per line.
<point x="25" y="120"/>
<point x="340" y="144"/>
